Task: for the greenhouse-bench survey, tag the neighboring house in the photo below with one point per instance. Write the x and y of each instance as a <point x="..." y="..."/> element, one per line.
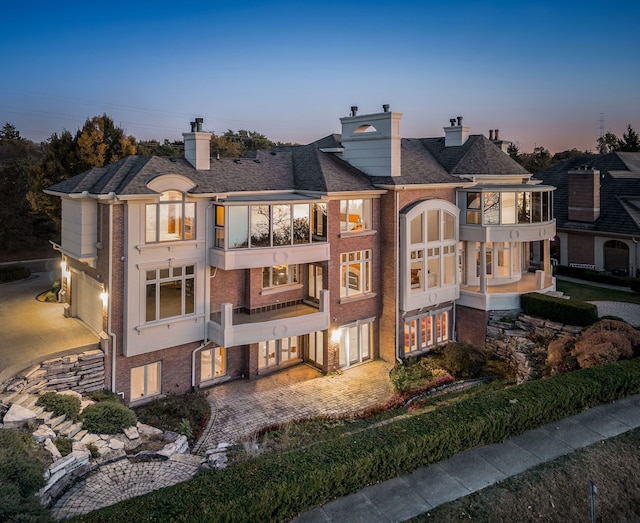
<point x="197" y="270"/>
<point x="597" y="208"/>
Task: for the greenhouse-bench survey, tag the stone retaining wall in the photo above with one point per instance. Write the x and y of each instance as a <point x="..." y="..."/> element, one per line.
<point x="512" y="337"/>
<point x="83" y="373"/>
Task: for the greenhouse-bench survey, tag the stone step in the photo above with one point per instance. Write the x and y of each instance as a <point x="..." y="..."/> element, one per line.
<point x="64" y="425"/>
<point x="44" y="416"/>
<point x="71" y="430"/>
<point x="27" y="401"/>
<point x="54" y="422"/>
<point x="9" y="398"/>
<point x="38" y="410"/>
<point x="79" y="435"/>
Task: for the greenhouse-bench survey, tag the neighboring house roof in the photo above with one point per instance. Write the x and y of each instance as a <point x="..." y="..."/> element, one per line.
<point x="301" y="168"/>
<point x="619" y="192"/>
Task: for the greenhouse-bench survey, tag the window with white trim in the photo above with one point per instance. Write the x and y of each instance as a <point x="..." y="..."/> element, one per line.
<point x="355" y="343"/>
<point x="213" y="363"/>
<point x="279" y="275"/>
<point x="426" y="331"/>
<point x="276" y="352"/>
<point x="355" y="215"/>
<point x="170" y="292"/>
<point x="355" y="273"/>
<point x="146" y="381"/>
<point x="170" y="219"/>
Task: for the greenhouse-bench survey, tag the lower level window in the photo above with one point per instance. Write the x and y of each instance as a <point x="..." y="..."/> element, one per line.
<point x="426" y="331"/>
<point x="355" y="343"/>
<point x="146" y="381"/>
<point x="213" y="363"/>
<point x="275" y="352"/>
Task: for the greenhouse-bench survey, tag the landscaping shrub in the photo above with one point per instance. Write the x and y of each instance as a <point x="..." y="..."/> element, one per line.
<point x="464" y="360"/>
<point x="105" y="395"/>
<point x="64" y="445"/>
<point x="559" y="357"/>
<point x="60" y="404"/>
<point x="570" y="312"/>
<point x="107" y="417"/>
<point x="604" y="342"/>
<point x="21" y="476"/>
<point x="13" y="273"/>
<point x="169" y="412"/>
<point x="277" y="486"/>
<point x="591" y="275"/>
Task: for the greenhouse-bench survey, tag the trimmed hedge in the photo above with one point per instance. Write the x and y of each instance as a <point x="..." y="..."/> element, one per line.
<point x="591" y="275"/>
<point x="571" y="312"/>
<point x="277" y="486"/>
<point x="13" y="273"/>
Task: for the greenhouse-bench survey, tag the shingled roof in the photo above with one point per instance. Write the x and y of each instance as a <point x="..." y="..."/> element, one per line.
<point x="619" y="192"/>
<point x="301" y="168"/>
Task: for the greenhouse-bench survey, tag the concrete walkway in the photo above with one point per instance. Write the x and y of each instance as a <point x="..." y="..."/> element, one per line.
<point x="407" y="496"/>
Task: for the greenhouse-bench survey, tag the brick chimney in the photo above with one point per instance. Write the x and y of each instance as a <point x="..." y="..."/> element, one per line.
<point x="456" y="134"/>
<point x="372" y="141"/>
<point x="196" y="146"/>
<point x="584" y="194"/>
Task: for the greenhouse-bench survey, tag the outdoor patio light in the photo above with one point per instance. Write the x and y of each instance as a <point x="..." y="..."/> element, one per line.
<point x="104" y="296"/>
<point x="335" y="335"/>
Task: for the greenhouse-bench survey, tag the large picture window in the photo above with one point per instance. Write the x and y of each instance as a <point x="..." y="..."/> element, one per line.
<point x="257" y="226"/>
<point x="146" y="381"/>
<point x="169" y="292"/>
<point x="355" y="215"/>
<point x="355" y="273"/>
<point x="170" y="219"/>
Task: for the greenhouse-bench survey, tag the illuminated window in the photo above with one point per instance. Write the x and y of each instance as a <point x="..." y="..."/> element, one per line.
<point x="355" y="215"/>
<point x="169" y="292"/>
<point x="355" y="273"/>
<point x="213" y="363"/>
<point x="279" y="275"/>
<point x="145" y="381"/>
<point x="170" y="219"/>
<point x="424" y="332"/>
<point x="355" y="343"/>
<point x="276" y="352"/>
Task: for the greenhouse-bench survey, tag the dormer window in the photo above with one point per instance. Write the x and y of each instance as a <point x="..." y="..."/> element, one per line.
<point x="170" y="219"/>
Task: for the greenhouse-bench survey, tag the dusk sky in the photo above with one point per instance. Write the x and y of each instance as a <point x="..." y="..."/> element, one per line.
<point x="541" y="72"/>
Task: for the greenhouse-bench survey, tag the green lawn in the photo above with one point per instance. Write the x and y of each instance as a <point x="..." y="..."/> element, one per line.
<point x="585" y="292"/>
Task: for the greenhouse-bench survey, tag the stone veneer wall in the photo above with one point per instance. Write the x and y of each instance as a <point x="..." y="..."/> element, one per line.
<point x="509" y="336"/>
<point x="83" y="373"/>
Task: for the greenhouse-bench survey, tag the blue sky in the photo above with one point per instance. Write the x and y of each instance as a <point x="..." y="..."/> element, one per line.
<point x="541" y="72"/>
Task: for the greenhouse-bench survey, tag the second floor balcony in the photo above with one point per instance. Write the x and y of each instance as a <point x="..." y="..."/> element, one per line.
<point x="229" y="328"/>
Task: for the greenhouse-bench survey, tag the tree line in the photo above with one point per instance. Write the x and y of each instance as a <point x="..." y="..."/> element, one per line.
<point x="540" y="158"/>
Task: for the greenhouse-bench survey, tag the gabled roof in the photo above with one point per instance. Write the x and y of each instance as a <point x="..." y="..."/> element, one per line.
<point x="619" y="192"/>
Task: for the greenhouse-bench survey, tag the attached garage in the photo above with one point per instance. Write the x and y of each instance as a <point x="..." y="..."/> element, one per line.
<point x="86" y="301"/>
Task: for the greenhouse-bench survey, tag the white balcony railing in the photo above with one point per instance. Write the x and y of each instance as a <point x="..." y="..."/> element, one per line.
<point x="235" y="329"/>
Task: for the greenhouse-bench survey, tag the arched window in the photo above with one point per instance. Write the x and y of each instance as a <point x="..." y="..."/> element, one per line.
<point x="171" y="218"/>
<point x="429" y="243"/>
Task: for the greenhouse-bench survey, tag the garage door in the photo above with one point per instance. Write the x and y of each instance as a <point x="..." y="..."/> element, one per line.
<point x="88" y="304"/>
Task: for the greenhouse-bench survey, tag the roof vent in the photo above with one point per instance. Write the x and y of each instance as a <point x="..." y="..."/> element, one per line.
<point x="491" y="134"/>
<point x="452" y="121"/>
<point x="459" y="120"/>
<point x="385" y="108"/>
<point x="497" y="134"/>
<point x="354" y="110"/>
<point x="199" y="122"/>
